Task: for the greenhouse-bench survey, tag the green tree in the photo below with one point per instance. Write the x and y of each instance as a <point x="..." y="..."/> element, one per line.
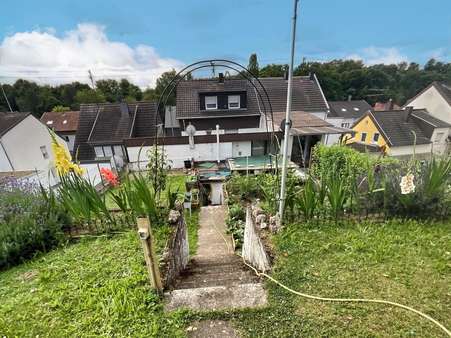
<point x="89" y="96"/>
<point x="60" y="108"/>
<point x="253" y="65"/>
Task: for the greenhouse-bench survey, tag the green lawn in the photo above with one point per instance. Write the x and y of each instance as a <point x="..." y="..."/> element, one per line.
<point x="99" y="287"/>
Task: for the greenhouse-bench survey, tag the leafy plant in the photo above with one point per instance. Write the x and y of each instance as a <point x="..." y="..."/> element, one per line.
<point x="307" y="199"/>
<point x="337" y="194"/>
<point x="172" y="196"/>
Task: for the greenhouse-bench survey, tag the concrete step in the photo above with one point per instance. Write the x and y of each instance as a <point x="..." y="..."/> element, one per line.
<point x="207" y="269"/>
<point x="216" y="279"/>
<point x="217" y="297"/>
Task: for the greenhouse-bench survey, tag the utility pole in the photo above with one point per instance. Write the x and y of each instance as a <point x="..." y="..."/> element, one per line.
<point x="286" y="156"/>
<point x="91" y="77"/>
<point x="6" y="98"/>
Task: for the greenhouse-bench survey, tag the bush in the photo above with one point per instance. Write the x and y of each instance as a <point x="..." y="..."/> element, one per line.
<point x="235" y="223"/>
<point x="29" y="223"/>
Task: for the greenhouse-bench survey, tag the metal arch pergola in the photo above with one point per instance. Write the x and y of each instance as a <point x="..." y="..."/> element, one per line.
<point x="260" y="90"/>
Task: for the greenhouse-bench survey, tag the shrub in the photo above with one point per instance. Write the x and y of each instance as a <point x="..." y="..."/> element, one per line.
<point x="235" y="223"/>
<point x="29" y="223"/>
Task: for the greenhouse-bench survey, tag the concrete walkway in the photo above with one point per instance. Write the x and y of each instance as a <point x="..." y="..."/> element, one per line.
<point x="216" y="279"/>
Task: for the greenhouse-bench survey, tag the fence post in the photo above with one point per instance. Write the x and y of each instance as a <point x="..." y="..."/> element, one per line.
<point x="145" y="235"/>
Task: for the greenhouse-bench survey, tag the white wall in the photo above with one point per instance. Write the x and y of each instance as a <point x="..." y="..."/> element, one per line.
<point x="181" y="152"/>
<point x="4" y="162"/>
<point x="22" y="144"/>
<point x="408" y="150"/>
<point x="434" y="103"/>
<point x="240" y="149"/>
<point x="440" y="146"/>
<point x="71" y="142"/>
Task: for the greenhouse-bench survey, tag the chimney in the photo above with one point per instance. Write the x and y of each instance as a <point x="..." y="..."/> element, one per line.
<point x="221" y="77"/>
<point x="390" y="104"/>
<point x="409" y="111"/>
<point x="124" y="109"/>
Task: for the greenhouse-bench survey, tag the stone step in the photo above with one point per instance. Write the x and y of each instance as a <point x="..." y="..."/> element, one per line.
<point x="216" y="279"/>
<point x="207" y="269"/>
<point x="218" y="260"/>
<point x="217" y="297"/>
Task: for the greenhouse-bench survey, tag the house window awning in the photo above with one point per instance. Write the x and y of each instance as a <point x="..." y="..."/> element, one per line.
<point x="303" y="131"/>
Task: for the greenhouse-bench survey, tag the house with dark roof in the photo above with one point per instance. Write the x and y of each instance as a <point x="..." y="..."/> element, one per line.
<point x="344" y="114"/>
<point x="64" y="124"/>
<point x="103" y="127"/>
<point x="401" y="133"/>
<point x="25" y="146"/>
<point x="228" y="117"/>
<point x="436" y="99"/>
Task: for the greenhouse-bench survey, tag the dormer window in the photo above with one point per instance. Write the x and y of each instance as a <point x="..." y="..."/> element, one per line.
<point x="234" y="101"/>
<point x="211" y="102"/>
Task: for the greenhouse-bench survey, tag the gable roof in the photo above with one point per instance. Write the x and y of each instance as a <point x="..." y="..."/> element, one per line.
<point x="349" y="109"/>
<point x="307" y="96"/>
<point x="443" y="88"/>
<point x="10" y="120"/>
<point x="111" y="123"/>
<point x="399" y="129"/>
<point x="61" y="121"/>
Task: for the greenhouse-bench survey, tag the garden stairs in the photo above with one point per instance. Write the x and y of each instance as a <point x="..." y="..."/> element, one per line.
<point x="216" y="278"/>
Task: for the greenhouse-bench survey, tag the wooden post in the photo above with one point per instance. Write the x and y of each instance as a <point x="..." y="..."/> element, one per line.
<point x="145" y="235"/>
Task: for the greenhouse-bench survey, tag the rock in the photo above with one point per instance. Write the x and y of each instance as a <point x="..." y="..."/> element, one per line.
<point x="257" y="211"/>
<point x="274" y="223"/>
<point x="260" y="219"/>
<point x="174" y="216"/>
<point x="263" y="225"/>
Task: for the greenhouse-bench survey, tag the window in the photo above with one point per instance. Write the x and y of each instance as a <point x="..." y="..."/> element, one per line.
<point x="44" y="152"/>
<point x="66" y="138"/>
<point x="345" y="125"/>
<point x="99" y="151"/>
<point x="438" y="137"/>
<point x="108" y="151"/>
<point x="118" y="150"/>
<point x="211" y="102"/>
<point x="375" y="137"/>
<point x="234" y="101"/>
<point x="363" y="137"/>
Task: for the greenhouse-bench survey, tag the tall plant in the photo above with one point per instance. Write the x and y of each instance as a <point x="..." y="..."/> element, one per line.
<point x="158" y="167"/>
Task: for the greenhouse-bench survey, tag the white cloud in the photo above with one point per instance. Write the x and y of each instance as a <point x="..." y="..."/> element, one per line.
<point x="377" y="55"/>
<point x="44" y="57"/>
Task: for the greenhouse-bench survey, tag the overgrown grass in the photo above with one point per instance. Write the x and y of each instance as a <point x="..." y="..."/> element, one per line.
<point x="97" y="287"/>
<point x="406" y="262"/>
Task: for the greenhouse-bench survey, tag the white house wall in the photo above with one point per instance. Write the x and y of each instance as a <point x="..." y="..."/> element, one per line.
<point x="179" y="153"/>
<point x="22" y="144"/>
<point x="4" y="162"/>
<point x="434" y="103"/>
<point x="408" y="150"/>
<point x="440" y="147"/>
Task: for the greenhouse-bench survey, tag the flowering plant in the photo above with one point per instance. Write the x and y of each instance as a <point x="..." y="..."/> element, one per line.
<point x="63" y="160"/>
<point x="407" y="185"/>
<point x="110" y="177"/>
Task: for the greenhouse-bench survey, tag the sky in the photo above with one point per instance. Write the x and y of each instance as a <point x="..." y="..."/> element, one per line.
<point x="58" y="41"/>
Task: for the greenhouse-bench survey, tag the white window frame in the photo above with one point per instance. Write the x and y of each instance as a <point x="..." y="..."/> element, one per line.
<point x="97" y="150"/>
<point x="117" y="149"/>
<point x="234" y="99"/>
<point x="211" y="100"/>
<point x="374" y="137"/>
<point x="438" y="137"/>
<point x="363" y="139"/>
<point x="44" y="152"/>
<point x="109" y="150"/>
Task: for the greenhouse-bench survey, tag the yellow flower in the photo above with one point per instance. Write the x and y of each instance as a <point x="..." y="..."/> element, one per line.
<point x="63" y="160"/>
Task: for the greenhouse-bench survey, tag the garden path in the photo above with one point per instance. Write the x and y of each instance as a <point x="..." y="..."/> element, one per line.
<point x="216" y="278"/>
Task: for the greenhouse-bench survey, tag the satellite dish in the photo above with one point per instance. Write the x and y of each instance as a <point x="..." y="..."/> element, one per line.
<point x="191" y="131"/>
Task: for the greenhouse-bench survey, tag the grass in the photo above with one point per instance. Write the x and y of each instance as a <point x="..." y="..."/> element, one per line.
<point x="99" y="287"/>
<point x="405" y="262"/>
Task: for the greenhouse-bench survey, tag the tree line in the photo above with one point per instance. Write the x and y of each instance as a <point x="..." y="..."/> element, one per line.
<point x="340" y="79"/>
